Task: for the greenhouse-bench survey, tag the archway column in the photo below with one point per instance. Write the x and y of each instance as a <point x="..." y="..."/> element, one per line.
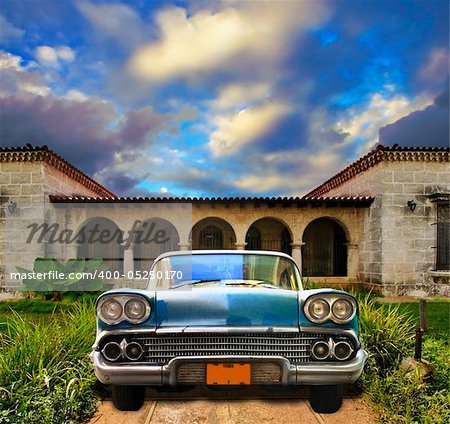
<point x="184" y="246"/>
<point x="297" y="253"/>
<point x="352" y="259"/>
<point x="128" y="259"/>
<point x="240" y="245"/>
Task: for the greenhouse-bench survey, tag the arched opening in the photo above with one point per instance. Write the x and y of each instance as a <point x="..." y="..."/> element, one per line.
<point x="269" y="234"/>
<point x="253" y="239"/>
<point x="102" y="238"/>
<point x="153" y="237"/>
<point x="213" y="233"/>
<point x="325" y="251"/>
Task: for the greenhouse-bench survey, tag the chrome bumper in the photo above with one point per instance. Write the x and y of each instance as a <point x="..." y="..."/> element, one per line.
<point x="157" y="375"/>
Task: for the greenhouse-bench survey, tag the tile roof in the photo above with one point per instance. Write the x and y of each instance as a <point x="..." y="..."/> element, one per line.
<point x="31" y="153"/>
<point x="284" y="201"/>
<point x="382" y="153"/>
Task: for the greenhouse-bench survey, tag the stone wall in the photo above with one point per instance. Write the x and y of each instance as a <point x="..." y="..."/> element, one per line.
<point x="397" y="247"/>
<point x="24" y="189"/>
<point x="21" y="191"/>
<point x="409" y="237"/>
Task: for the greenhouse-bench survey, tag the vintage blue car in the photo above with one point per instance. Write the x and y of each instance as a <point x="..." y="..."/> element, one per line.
<point x="227" y="318"/>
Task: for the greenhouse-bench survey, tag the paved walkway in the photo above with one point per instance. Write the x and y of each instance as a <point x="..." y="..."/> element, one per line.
<point x="220" y="408"/>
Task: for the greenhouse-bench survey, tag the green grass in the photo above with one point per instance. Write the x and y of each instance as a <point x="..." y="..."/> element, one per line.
<point x="36" y="306"/>
<point x="387" y="331"/>
<point x="45" y="372"/>
<point x="32" y="310"/>
<point x="438" y="318"/>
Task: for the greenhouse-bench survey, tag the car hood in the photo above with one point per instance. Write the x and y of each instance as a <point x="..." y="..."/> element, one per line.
<point x="226" y="307"/>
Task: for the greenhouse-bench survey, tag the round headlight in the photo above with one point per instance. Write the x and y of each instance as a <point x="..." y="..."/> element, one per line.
<point x="342" y="351"/>
<point x="320" y="350"/>
<point x="318" y="309"/>
<point x="112" y="351"/>
<point x="342" y="309"/>
<point x="133" y="351"/>
<point x="135" y="309"/>
<point x="111" y="311"/>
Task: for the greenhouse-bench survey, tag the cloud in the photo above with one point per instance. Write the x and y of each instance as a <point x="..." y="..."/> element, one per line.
<point x="217" y="40"/>
<point x="8" y="31"/>
<point x="437" y="66"/>
<point x="16" y="78"/>
<point x="137" y="124"/>
<point x="364" y="125"/>
<point x="86" y="130"/>
<point x="237" y="130"/>
<point x="288" y="172"/>
<point x="54" y="56"/>
<point x="117" y="22"/>
<point x="237" y="95"/>
<point x="427" y="127"/>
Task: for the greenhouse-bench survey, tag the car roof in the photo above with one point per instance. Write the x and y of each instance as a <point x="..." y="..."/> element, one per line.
<point x="222" y="252"/>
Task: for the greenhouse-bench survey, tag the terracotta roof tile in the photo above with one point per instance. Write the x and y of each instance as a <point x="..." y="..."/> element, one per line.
<point x="287" y="201"/>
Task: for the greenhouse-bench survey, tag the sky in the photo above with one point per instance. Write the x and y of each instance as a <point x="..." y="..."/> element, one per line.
<point x="222" y="98"/>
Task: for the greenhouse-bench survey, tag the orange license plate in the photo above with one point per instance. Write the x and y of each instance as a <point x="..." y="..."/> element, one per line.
<point x="228" y="374"/>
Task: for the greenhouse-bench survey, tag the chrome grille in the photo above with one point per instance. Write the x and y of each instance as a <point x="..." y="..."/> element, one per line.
<point x="161" y="348"/>
<point x="293" y="346"/>
<point x="262" y="373"/>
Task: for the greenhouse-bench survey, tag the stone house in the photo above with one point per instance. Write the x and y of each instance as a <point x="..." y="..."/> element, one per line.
<point x="384" y="221"/>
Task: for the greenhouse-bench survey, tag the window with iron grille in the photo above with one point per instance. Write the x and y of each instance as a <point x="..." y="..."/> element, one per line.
<point x="443" y="237"/>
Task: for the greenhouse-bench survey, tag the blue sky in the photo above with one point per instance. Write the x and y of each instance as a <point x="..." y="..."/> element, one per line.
<point x="224" y="98"/>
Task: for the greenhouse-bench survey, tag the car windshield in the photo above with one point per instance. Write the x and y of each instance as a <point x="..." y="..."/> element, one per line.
<point x="224" y="269"/>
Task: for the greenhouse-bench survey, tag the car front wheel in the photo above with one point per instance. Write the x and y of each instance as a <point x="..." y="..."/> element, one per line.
<point x="326" y="399"/>
<point x="128" y="398"/>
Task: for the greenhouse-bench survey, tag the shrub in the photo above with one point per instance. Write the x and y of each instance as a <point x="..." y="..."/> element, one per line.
<point x="45" y="371"/>
<point x="386" y="332"/>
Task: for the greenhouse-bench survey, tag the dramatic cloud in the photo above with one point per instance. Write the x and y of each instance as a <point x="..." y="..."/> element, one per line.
<point x="71" y="124"/>
<point x="428" y="127"/>
<point x="379" y="112"/>
<point x="209" y="40"/>
<point x="245" y="127"/>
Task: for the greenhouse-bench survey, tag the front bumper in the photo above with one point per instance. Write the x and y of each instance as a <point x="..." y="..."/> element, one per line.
<point x="166" y="375"/>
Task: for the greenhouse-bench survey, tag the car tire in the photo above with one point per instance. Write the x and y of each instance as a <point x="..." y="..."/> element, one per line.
<point x="128" y="398"/>
<point x="326" y="399"/>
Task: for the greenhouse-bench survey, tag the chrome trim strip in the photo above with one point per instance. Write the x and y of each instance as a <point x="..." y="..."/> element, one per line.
<point x="227" y="329"/>
<point x="333" y="331"/>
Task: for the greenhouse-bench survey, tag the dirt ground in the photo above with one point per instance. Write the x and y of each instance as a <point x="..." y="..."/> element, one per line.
<point x="234" y="408"/>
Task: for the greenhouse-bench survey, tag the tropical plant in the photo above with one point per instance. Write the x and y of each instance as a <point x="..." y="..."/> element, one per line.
<point x="51" y="276"/>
